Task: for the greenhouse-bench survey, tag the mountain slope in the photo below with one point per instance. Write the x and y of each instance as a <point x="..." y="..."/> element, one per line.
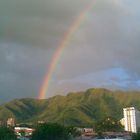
<point x="82" y="108"/>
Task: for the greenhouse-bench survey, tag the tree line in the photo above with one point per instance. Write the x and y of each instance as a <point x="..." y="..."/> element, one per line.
<point x="54" y="131"/>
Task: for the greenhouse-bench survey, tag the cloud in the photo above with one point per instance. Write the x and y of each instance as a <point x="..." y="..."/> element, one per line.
<point x="107" y="39"/>
<point x="103" y="42"/>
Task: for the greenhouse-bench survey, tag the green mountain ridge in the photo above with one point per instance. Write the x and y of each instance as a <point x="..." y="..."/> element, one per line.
<point x="81" y="108"/>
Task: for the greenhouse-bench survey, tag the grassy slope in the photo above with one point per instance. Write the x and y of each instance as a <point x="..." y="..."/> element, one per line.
<point x="76" y="108"/>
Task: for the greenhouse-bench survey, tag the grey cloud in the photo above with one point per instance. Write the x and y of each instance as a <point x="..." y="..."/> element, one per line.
<point x="40" y="23"/>
<point x="30" y="31"/>
<point x="103" y="41"/>
<point x="22" y="70"/>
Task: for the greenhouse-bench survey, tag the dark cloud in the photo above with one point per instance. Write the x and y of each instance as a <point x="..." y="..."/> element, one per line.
<point x="104" y="50"/>
<point x="103" y="42"/>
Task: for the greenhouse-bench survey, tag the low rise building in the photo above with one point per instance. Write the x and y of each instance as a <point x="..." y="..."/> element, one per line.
<point x="1" y="123"/>
<point x="23" y="130"/>
<point x="11" y="122"/>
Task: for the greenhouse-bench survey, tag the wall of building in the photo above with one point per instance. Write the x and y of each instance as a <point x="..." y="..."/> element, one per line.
<point x="130" y="119"/>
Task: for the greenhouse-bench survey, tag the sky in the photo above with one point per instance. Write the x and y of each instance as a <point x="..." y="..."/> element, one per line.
<point x="102" y="52"/>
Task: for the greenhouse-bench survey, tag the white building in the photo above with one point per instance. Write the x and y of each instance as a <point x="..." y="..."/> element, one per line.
<point x="131" y="119"/>
<point x="11" y="122"/>
<point x="27" y="131"/>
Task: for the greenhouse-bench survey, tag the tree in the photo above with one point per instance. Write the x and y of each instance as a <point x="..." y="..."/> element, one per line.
<point x="7" y="134"/>
<point x="108" y="124"/>
<point x="73" y="131"/>
<point x="22" y="132"/>
<point x="136" y="136"/>
<point x="50" y="131"/>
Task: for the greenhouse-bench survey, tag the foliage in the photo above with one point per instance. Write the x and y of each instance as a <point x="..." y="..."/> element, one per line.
<point x="136" y="136"/>
<point x="22" y="132"/>
<point x="73" y="131"/>
<point x="108" y="124"/>
<point x="86" y="107"/>
<point x="50" y="131"/>
<point x="7" y="134"/>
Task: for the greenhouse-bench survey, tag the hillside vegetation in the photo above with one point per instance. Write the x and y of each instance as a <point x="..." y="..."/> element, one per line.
<point x="81" y="108"/>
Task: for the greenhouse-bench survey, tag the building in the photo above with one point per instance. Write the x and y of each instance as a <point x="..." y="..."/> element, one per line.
<point x="1" y="123"/>
<point x="131" y="119"/>
<point x="88" y="131"/>
<point x="23" y="130"/>
<point x="122" y="121"/>
<point x="11" y="122"/>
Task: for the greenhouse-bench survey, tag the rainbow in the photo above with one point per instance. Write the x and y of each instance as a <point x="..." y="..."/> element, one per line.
<point x="60" y="49"/>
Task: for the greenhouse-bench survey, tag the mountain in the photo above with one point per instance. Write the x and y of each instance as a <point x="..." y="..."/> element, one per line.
<point x="81" y="108"/>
